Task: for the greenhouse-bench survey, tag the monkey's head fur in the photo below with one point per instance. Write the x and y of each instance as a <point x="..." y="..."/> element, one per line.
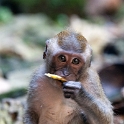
<point x="67" y="54"/>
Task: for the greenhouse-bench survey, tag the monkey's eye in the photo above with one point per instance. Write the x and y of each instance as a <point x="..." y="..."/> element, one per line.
<point x="62" y="58"/>
<point x="75" y="61"/>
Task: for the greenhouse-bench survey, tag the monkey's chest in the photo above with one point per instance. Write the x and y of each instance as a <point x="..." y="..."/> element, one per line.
<point x="58" y="112"/>
<point x="55" y="108"/>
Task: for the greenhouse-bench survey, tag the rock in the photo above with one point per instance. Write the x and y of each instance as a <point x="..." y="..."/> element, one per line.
<point x="13" y="109"/>
<point x="97" y="7"/>
<point x="98" y="36"/>
<point x="13" y="45"/>
<point x="20" y="78"/>
<point x="22" y="36"/>
<point x="16" y="80"/>
<point x="4" y="85"/>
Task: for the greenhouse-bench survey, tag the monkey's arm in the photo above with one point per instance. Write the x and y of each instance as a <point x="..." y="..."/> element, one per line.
<point x="97" y="110"/>
<point x="31" y="110"/>
<point x="30" y="117"/>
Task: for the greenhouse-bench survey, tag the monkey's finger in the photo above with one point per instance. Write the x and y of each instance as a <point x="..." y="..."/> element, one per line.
<point x="71" y="91"/>
<point x="67" y="95"/>
<point x="72" y="85"/>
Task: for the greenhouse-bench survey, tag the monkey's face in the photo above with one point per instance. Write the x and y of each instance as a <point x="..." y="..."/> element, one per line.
<point x="68" y="65"/>
<point x="68" y="55"/>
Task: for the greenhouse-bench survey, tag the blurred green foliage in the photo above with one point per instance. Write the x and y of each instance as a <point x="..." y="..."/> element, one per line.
<point x="53" y="7"/>
<point x="5" y="15"/>
<point x="14" y="93"/>
<point x="120" y="13"/>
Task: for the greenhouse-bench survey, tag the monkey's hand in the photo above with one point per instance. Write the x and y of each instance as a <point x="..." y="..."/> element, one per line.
<point x="91" y="106"/>
<point x="72" y="89"/>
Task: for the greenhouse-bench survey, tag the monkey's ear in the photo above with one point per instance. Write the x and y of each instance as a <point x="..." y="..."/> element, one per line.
<point x="44" y="53"/>
<point x="90" y="61"/>
<point x="91" y="58"/>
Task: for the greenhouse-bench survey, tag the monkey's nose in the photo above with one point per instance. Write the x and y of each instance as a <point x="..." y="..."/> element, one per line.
<point x="66" y="72"/>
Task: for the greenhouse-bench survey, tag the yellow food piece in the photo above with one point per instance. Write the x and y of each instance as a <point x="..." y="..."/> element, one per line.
<point x="53" y="76"/>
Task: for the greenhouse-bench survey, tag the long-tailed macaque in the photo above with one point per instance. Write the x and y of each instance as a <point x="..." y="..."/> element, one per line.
<point x="80" y="100"/>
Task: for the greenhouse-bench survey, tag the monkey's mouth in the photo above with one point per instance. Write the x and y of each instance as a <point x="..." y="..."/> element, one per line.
<point x="67" y="76"/>
<point x="70" y="77"/>
<point x="61" y="78"/>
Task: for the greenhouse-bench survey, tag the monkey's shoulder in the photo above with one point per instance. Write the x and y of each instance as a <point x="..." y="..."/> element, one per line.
<point x="38" y="73"/>
<point x="90" y="74"/>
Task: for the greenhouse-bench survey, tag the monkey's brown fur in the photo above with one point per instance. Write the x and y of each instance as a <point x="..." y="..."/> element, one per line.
<point x="81" y="99"/>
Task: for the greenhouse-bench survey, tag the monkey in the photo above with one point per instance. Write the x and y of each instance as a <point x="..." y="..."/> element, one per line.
<point x="79" y="100"/>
